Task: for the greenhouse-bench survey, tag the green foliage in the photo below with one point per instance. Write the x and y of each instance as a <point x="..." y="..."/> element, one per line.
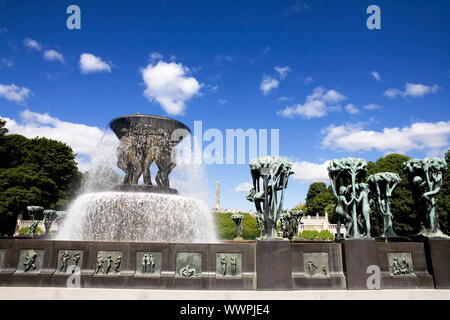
<point x="3" y="129"/>
<point x="35" y="171"/>
<point x="25" y="230"/>
<point x="326" y="235"/>
<point x="320" y="198"/>
<point x="300" y="206"/>
<point x="443" y="199"/>
<point x="311" y="234"/>
<point x="314" y="190"/>
<point x="225" y="226"/>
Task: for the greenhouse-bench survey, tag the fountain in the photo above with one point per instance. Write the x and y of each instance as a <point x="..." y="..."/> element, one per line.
<point x="141" y="212"/>
<point x="148" y="236"/>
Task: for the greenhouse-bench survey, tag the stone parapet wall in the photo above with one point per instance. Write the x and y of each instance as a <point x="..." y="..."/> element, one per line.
<point x="262" y="264"/>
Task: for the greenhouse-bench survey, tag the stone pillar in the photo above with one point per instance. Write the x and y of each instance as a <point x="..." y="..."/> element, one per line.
<point x="217" y="195"/>
<point x="273" y="265"/>
<point x="358" y="255"/>
<point x="437" y="252"/>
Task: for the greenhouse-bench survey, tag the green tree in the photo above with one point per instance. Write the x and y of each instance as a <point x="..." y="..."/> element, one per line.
<point x="35" y="171"/>
<point x="300" y="206"/>
<point x="318" y="199"/>
<point x="443" y="199"/>
<point x="3" y="129"/>
<point x="314" y="190"/>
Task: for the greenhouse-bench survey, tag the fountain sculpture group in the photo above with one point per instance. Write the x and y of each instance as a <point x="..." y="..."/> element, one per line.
<point x="146" y="236"/>
<point x="145" y="140"/>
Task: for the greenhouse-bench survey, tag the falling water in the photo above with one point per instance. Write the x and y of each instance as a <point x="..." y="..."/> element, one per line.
<point x="138" y="216"/>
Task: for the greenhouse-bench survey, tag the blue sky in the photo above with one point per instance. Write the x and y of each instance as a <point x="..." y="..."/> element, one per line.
<point x="311" y="69"/>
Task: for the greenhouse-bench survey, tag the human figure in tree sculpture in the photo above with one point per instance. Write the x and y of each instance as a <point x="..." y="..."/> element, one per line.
<point x="364" y="201"/>
<point x="342" y="210"/>
<point x="343" y="172"/>
<point x="382" y="185"/>
<point x="49" y="217"/>
<point x="425" y="177"/>
<point x="269" y="175"/>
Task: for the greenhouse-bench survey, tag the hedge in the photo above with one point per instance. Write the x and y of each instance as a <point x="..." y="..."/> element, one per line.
<point x="311" y="234"/>
<point x="24" y="230"/>
<point x="225" y="226"/>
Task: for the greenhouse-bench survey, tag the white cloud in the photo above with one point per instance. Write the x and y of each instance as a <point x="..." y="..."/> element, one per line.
<point x="221" y="59"/>
<point x="268" y="83"/>
<point x="282" y="71"/>
<point x="83" y="139"/>
<point x="32" y="44"/>
<point x="350" y="108"/>
<point x="308" y="80"/>
<point x="392" y="93"/>
<point x="300" y="7"/>
<point x="412" y="90"/>
<point x="243" y="187"/>
<point x="283" y="98"/>
<point x="222" y="101"/>
<point x="371" y="106"/>
<point x="14" y="93"/>
<point x="266" y="50"/>
<point x="329" y="96"/>
<point x="419" y="90"/>
<point x="311" y="109"/>
<point x="307" y="172"/>
<point x="53" y="55"/>
<point x="169" y="85"/>
<point x="316" y="105"/>
<point x="7" y="62"/>
<point x="155" y="56"/>
<point x="376" y="75"/>
<point x="89" y="63"/>
<point x="432" y="138"/>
